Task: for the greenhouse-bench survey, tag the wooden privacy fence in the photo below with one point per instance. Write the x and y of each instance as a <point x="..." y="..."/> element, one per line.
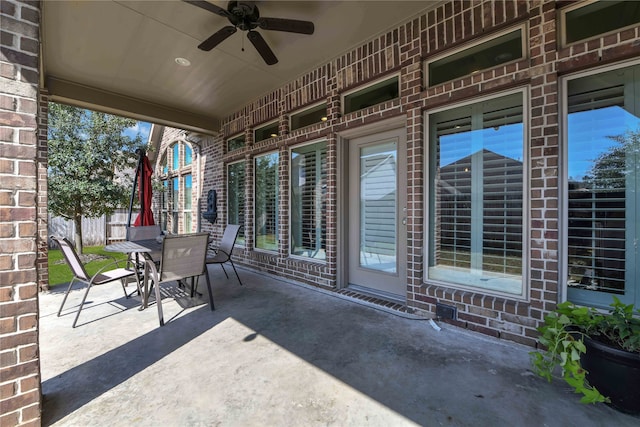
<point x="95" y="231"/>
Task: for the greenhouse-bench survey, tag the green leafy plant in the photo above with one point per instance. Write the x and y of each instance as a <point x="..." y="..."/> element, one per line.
<point x="563" y="336"/>
<point x="88" y="152"/>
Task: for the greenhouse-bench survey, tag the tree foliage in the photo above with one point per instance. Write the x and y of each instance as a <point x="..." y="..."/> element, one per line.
<point x="87" y="150"/>
<point x="611" y="167"/>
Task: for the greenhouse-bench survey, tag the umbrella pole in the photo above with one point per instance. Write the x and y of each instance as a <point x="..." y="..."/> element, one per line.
<point x="142" y="193"/>
<point x="135" y="184"/>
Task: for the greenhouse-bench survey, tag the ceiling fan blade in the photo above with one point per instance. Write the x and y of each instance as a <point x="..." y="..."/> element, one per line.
<point x="208" y="6"/>
<point x="217" y="38"/>
<point x="288" y="25"/>
<point x="262" y="47"/>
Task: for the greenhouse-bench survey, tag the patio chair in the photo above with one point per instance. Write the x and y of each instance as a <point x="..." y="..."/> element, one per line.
<point x="145" y="232"/>
<point x="222" y="254"/>
<point x="183" y="257"/>
<point x="104" y="275"/>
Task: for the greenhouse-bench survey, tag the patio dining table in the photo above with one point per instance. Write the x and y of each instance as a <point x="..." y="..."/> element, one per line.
<point x="143" y="248"/>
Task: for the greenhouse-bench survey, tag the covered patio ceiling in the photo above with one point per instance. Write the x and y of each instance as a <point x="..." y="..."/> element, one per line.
<point x="120" y="56"/>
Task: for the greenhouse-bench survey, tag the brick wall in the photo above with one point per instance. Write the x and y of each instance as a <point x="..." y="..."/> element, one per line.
<point x="19" y="216"/>
<point x="404" y="51"/>
<point x="42" y="159"/>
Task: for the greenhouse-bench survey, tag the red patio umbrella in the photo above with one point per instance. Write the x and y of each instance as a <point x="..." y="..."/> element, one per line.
<point x="145" y="191"/>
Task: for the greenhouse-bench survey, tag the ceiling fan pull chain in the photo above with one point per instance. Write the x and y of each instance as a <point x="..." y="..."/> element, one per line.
<point x="242" y="44"/>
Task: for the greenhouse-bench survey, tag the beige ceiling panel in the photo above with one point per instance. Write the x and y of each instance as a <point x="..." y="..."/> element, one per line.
<point x="129" y="48"/>
<point x="86" y="42"/>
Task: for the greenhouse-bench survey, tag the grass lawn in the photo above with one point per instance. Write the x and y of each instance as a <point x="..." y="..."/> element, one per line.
<point x="59" y="271"/>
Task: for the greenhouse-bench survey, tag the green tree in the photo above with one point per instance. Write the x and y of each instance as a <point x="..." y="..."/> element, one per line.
<point x="610" y="168"/>
<point x="87" y="150"/>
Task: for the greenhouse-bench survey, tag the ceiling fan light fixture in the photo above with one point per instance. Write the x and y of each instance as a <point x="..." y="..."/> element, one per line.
<point x="183" y="62"/>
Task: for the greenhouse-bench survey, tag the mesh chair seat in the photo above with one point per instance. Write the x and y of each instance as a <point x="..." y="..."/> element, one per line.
<point x="111" y="275"/>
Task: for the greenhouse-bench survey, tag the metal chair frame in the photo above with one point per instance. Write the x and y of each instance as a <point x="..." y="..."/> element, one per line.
<point x="183" y="257"/>
<point x="80" y="274"/>
<point x="224" y="251"/>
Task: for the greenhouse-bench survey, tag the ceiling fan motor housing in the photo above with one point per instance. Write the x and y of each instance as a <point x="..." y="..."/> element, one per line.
<point x="243" y="15"/>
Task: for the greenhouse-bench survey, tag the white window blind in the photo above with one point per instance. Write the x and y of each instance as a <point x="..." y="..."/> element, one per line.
<point x="236" y="197"/>
<point x="476" y="173"/>
<point x="266" y="202"/>
<point x="308" y="200"/>
<point x="597" y="187"/>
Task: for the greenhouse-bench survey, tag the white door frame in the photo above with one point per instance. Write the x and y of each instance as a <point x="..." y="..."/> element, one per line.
<point x="343" y="190"/>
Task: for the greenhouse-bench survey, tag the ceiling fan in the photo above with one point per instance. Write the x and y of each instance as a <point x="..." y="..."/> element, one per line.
<point x="244" y="15"/>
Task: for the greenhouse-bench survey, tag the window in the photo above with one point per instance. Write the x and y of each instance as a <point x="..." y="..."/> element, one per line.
<point x="371" y="95"/>
<point x="236" y="193"/>
<point x="187" y="182"/>
<point x="164" y="205"/>
<point x="308" y="200"/>
<point x="163" y="164"/>
<point x="266" y="202"/>
<point x="603" y="184"/>
<point x="177" y="200"/>
<point x="176" y="204"/>
<point x="499" y="50"/>
<point x="176" y="156"/>
<point x="596" y="18"/>
<point x="476" y="195"/>
<point x="188" y="155"/>
<point x="236" y="143"/>
<point x="267" y="131"/>
<point x="309" y="116"/>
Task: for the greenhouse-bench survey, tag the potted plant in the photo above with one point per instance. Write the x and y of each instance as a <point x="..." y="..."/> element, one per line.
<point x="598" y="353"/>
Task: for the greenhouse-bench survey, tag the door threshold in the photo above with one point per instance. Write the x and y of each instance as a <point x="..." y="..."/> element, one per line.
<point x="375" y="296"/>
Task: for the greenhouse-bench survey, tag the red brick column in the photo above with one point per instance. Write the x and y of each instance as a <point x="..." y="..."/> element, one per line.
<point x="42" y="198"/>
<point x="20" y="395"/>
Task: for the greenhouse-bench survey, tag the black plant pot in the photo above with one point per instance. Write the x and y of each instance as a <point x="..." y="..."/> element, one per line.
<point x="615" y="373"/>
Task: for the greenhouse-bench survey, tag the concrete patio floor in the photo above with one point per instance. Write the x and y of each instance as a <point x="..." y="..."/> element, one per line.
<point x="280" y="354"/>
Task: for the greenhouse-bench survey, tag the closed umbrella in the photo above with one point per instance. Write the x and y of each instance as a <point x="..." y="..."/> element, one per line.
<point x="145" y="192"/>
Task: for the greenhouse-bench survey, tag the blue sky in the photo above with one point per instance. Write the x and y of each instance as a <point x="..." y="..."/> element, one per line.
<point x="143" y="128"/>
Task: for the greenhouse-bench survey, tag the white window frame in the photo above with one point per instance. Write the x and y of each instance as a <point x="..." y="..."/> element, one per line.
<point x="255" y="204"/>
<point x="184" y="210"/>
<point x="563" y="217"/>
<point x="365" y="87"/>
<point x="178" y="214"/>
<point x="242" y="230"/>
<point x="262" y="126"/>
<point x="526" y="228"/>
<point x="563" y="24"/>
<point x="525" y="49"/>
<point x="241" y="134"/>
<point x="290" y="153"/>
<point x="304" y="110"/>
